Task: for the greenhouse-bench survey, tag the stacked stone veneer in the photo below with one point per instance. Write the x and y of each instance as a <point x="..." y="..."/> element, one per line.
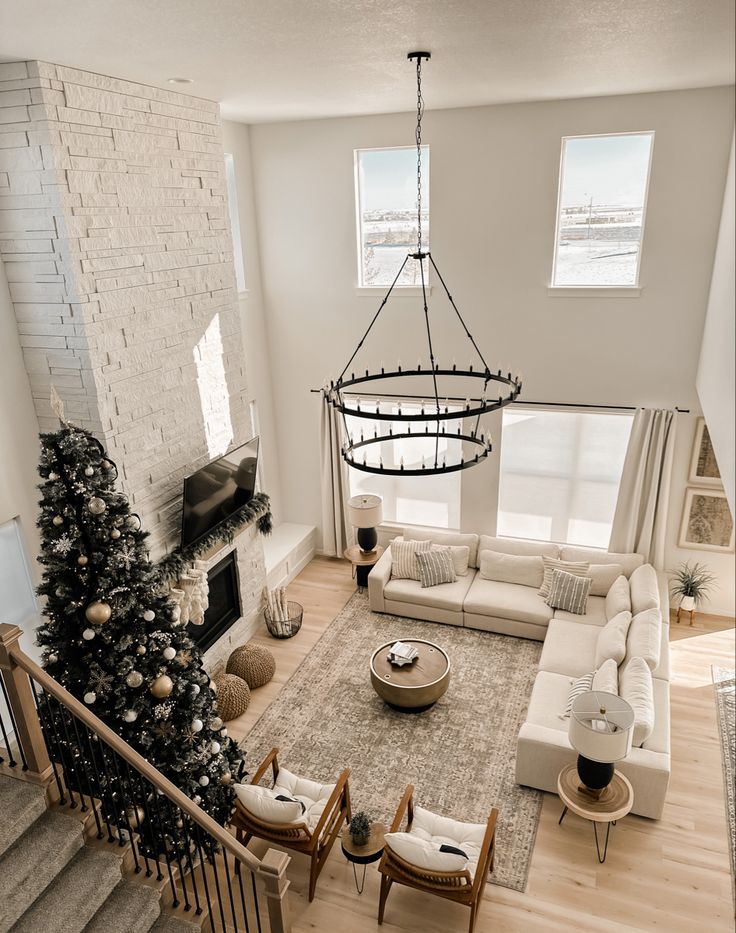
<point x="115" y="238"/>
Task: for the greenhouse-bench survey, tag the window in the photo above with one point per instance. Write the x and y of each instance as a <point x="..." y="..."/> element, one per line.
<point x="386" y="208"/>
<point x="232" y="205"/>
<point x="560" y="473"/>
<point x="409" y="500"/>
<point x="600" y="211"/>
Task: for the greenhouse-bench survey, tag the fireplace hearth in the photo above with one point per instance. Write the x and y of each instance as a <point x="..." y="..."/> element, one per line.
<point x="224" y="602"/>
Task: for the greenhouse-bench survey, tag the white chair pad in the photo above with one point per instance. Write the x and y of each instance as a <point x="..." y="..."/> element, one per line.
<point x="442" y="830"/>
<point x="312" y="794"/>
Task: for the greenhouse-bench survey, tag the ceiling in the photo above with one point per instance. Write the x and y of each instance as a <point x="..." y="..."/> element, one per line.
<point x="271" y="60"/>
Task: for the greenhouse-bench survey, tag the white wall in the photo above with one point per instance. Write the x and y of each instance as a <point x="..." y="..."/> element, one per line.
<point x="236" y="141"/>
<point x="494" y="173"/>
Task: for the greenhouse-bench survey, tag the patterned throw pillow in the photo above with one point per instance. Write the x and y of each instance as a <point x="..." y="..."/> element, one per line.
<point x="579" y="568"/>
<point x="569" y="592"/>
<point x="403" y="564"/>
<point x="581" y="685"/>
<point x="435" y="566"/>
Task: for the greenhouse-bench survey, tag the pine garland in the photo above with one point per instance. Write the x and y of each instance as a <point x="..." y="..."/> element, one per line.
<point x="257" y="509"/>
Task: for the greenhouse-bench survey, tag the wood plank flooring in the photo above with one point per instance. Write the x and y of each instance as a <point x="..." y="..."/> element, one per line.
<point x="670" y="875"/>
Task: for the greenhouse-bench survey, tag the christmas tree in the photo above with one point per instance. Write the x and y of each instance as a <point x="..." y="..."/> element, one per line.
<point x="112" y="637"/>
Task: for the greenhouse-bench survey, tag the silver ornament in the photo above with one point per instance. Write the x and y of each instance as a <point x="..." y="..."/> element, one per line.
<point x="88" y="634"/>
<point x="130" y="715"/>
<point x="89" y="698"/>
<point x="133" y="522"/>
<point x="134" y="679"/>
<point x="197" y="725"/>
<point x="215" y="723"/>
<point x="204" y="780"/>
<point x="96" y="505"/>
<point x="149" y="615"/>
<point x="195" y="689"/>
<point x="169" y="653"/>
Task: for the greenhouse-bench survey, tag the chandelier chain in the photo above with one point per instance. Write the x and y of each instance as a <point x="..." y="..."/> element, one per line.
<point x="420" y="113"/>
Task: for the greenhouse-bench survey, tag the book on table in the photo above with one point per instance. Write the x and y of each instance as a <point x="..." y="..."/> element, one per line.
<point x="400" y="653"/>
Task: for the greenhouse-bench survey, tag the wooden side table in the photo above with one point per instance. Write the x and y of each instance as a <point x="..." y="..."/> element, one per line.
<point x="363" y="855"/>
<point x="613" y="804"/>
<point x="362" y="563"/>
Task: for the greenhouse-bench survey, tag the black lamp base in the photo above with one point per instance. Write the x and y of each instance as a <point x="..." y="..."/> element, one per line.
<point x="595" y="776"/>
<point x="367" y="539"/>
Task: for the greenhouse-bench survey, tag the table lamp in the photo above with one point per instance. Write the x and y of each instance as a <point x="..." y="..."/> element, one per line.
<point x="600" y="730"/>
<point x="364" y="513"/>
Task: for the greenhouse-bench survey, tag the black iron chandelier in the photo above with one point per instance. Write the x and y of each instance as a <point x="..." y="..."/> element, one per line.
<point x="434" y="424"/>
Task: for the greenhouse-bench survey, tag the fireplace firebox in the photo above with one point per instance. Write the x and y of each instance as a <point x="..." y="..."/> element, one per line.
<point x="224" y="602"/>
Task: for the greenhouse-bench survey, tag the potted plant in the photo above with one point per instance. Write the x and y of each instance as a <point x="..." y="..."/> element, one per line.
<point x="691" y="585"/>
<point x="360" y="828"/>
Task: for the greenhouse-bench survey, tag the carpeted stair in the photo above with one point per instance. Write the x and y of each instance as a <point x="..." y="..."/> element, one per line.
<point x="49" y="880"/>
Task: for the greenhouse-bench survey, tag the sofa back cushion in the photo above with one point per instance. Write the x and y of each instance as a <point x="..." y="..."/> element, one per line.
<point x="618" y="598"/>
<point x="636" y="687"/>
<point x="511" y="568"/>
<point x="403" y="558"/>
<point x="644" y="639"/>
<point x="519" y="547"/>
<point x="611" y="643"/>
<point x="603" y="577"/>
<point x="446" y="539"/>
<point x="605" y="678"/>
<point x="644" y="587"/>
<point x="628" y="561"/>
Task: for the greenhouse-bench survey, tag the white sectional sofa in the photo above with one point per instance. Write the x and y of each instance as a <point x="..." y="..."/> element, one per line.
<point x="515" y="608"/>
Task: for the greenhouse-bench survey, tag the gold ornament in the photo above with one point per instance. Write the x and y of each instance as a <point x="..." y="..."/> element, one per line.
<point x="115" y="534"/>
<point x="96" y="505"/>
<point x="57" y="520"/>
<point x="162" y="687"/>
<point x="226" y="778"/>
<point x="98" y="613"/>
<point x="141" y="649"/>
<point x="135" y="816"/>
<point x="82" y="560"/>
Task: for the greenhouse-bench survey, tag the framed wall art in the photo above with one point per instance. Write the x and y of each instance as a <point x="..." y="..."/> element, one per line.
<point x="703" y="466"/>
<point x="707" y="524"/>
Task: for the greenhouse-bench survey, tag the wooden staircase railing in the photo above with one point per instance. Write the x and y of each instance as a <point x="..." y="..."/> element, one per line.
<point x="49" y="736"/>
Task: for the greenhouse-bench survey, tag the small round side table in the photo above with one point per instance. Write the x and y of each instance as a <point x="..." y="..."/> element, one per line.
<point x="362" y="563"/>
<point x="363" y="855"/>
<point x="613" y="804"/>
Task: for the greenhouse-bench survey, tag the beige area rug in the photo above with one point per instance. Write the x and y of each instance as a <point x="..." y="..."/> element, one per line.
<point x="460" y="754"/>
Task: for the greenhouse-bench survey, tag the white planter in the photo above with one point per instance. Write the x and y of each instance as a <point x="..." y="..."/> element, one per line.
<point x="687" y="603"/>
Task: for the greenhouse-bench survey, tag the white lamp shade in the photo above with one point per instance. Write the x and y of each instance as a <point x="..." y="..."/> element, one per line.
<point x="365" y="511"/>
<point x="601" y="726"/>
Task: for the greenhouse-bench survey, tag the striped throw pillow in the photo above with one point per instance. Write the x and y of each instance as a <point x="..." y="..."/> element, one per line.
<point x="569" y="592"/>
<point x="581" y="685"/>
<point x="403" y="564"/>
<point x="579" y="568"/>
<point x="435" y="566"/>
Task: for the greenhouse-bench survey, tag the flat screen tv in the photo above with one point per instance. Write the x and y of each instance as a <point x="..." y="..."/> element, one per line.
<point x="213" y="493"/>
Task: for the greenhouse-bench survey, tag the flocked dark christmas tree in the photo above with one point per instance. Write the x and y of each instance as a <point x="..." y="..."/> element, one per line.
<point x="112" y="637"/>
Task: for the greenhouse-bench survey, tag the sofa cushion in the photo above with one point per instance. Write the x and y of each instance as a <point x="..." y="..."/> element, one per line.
<point x="435" y="566"/>
<point x="628" y="561"/>
<point x="511" y="568"/>
<point x="595" y="612"/>
<point x="635" y="686"/>
<point x="447" y="539"/>
<point x="507" y="601"/>
<point x="518" y="546"/>
<point x="603" y="577"/>
<point x="403" y="563"/>
<point x="460" y="555"/>
<point x="618" y="598"/>
<point x="568" y="592"/>
<point x="612" y="639"/>
<point x="551" y="564"/>
<point x="644" y="638"/>
<point x="644" y="587"/>
<point x="569" y="648"/>
<point x="605" y="678"/>
<point x="448" y="596"/>
<point x="548" y="701"/>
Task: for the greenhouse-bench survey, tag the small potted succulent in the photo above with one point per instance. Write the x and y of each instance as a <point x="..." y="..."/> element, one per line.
<point x="691" y="585"/>
<point x="360" y="828"/>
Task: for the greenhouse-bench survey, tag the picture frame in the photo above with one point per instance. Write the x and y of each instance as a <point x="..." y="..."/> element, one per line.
<point x="703" y="466"/>
<point x="706" y="524"/>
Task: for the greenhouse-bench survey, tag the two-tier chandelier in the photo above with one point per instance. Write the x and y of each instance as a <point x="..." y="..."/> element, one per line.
<point x="437" y="422"/>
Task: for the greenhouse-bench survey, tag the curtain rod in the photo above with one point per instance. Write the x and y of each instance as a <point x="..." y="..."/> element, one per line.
<point x="682" y="411"/>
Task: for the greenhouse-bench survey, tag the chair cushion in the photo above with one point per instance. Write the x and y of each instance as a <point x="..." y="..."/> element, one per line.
<point x="595" y="612"/>
<point x="446" y="539"/>
<point x="618" y="598"/>
<point x="312" y="794"/>
<point x="603" y="577"/>
<point x="636" y="687"/>
<point x="605" y="678"/>
<point x="403" y="564"/>
<point x="424" y="853"/>
<point x="448" y="596"/>
<point x="511" y="568"/>
<point x="644" y="587"/>
<point x="612" y="639"/>
<point x="442" y="830"/>
<point x="568" y="592"/>
<point x="569" y="648"/>
<point x="435" y="566"/>
<point x="628" y="561"/>
<point x="518" y="546"/>
<point x="507" y="601"/>
<point x="644" y="639"/>
<point x="262" y="803"/>
<point x="579" y="568"/>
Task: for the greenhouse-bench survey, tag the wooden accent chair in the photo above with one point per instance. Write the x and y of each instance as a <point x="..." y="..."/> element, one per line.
<point x="314" y="833"/>
<point x="465" y="886"/>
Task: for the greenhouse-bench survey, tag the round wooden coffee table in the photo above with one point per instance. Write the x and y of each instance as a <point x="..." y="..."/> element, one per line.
<point x="615" y="802"/>
<point x="363" y="855"/>
<point x="414" y="687"/>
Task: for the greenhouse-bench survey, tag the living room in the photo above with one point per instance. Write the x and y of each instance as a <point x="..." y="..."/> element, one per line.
<point x="200" y="228"/>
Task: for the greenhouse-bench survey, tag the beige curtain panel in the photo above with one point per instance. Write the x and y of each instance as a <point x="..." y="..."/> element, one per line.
<point x="337" y="534"/>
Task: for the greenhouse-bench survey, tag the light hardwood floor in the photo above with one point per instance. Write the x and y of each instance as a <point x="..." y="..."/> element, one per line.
<point x="671" y="875"/>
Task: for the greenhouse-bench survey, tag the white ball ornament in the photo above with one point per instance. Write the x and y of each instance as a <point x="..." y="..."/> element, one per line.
<point x="133" y="522"/>
<point x="96" y="505"/>
<point x="88" y="634"/>
<point x="89" y="471"/>
<point x="195" y="690"/>
<point x="197" y="725"/>
<point x="89" y="698"/>
<point x="223" y="732"/>
<point x="134" y="679"/>
<point x="53" y="658"/>
<point x="115" y="534"/>
<point x="130" y="715"/>
<point x="57" y="520"/>
<point x="215" y="748"/>
<point x="169" y="653"/>
<point x="149" y="615"/>
<point x="204" y="780"/>
<point x="197" y="799"/>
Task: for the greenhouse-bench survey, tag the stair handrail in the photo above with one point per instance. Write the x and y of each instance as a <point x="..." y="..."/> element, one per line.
<point x="272" y="868"/>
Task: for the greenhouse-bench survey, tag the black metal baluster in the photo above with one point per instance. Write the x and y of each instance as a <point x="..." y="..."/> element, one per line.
<point x="188" y="842"/>
<point x="177" y="854"/>
<point x="203" y="869"/>
<point x="123" y="803"/>
<point x="54" y="768"/>
<point x="229" y="889"/>
<point x="14" y="727"/>
<point x="11" y="761"/>
<point x="217" y="888"/>
<point x="64" y="716"/>
<point x="162" y="835"/>
<point x="93" y="797"/>
<point x="135" y="776"/>
<point x="137" y="851"/>
<point x="108" y="800"/>
<point x="66" y="765"/>
<point x="83" y="768"/>
<point x="239" y="876"/>
<point x="255" y="901"/>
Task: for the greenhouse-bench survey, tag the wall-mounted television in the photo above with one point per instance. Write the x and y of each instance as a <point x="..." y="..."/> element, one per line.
<point x="213" y="493"/>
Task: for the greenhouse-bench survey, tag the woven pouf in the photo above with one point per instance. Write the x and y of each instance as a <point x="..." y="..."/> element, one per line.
<point x="233" y="696"/>
<point x="255" y="664"/>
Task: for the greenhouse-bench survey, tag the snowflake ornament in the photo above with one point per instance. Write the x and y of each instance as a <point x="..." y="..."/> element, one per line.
<point x="126" y="556"/>
<point x="64" y="545"/>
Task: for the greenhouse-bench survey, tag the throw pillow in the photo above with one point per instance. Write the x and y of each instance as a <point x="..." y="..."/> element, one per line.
<point x="423" y="853"/>
<point x="612" y="639"/>
<point x="581" y="685"/>
<point x="644" y="588"/>
<point x="435" y="566"/>
<point x="579" y="568"/>
<point x="645" y="637"/>
<point x="603" y="576"/>
<point x="403" y="564"/>
<point x="605" y="678"/>
<point x="569" y="592"/>
<point x="637" y="689"/>
<point x="460" y="554"/>
<point x="511" y="568"/>
<point x="617" y="598"/>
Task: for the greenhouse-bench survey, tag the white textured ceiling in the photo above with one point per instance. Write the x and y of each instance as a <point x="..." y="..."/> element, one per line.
<point x="294" y="59"/>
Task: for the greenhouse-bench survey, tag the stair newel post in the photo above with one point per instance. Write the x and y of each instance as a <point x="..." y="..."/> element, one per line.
<point x="23" y="708"/>
<point x="273" y="873"/>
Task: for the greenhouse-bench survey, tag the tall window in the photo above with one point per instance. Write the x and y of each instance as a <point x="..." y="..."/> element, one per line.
<point x="386" y="208"/>
<point x="409" y="500"/>
<point x="560" y="473"/>
<point x="232" y="204"/>
<point x="601" y="207"/>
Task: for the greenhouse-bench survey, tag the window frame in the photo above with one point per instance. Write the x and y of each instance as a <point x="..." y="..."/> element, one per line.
<point x="607" y="291"/>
